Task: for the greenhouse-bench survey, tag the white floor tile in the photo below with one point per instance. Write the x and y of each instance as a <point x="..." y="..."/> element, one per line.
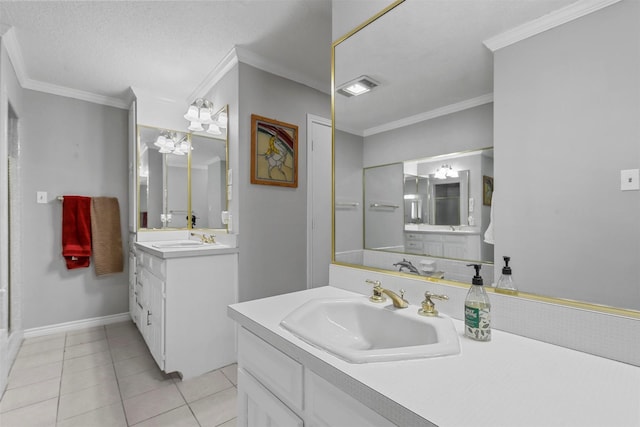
<point x="78" y="380"/>
<point x="107" y="416"/>
<point x="180" y="417"/>
<point x="152" y="403"/>
<point x="37" y="415"/>
<point x="26" y="376"/>
<point x="27" y="395"/>
<point x="142" y="382"/>
<point x="40" y="347"/>
<point x="204" y="385"/>
<point x="106" y="377"/>
<point x="53" y="337"/>
<point x="85" y="362"/>
<point x="38" y="359"/>
<point x="215" y="409"/>
<point x="88" y="399"/>
<point x="71" y="352"/>
<point x="231" y="372"/>
<point x="90" y="336"/>
<point x="135" y="365"/>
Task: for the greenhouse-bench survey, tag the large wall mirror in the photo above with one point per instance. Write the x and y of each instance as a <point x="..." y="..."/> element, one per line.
<point x="182" y="178"/>
<point x="414" y="92"/>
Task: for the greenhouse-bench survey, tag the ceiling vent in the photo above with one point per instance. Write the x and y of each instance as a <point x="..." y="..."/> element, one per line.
<point x="355" y="87"/>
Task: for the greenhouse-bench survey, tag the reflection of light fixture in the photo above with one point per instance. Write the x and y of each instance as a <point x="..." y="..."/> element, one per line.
<point x="170" y="143"/>
<point x="445" y="172"/>
<point x="355" y="87"/>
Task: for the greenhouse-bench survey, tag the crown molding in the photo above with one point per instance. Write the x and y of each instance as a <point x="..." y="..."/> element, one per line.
<point x="75" y="94"/>
<point x="214" y="76"/>
<point x="432" y="114"/>
<point x="546" y="22"/>
<point x="17" y="60"/>
<point x="15" y="54"/>
<point x="265" y="64"/>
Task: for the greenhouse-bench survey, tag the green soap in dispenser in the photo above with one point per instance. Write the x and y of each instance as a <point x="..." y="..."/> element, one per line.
<point x="477" y="309"/>
<point x="505" y="283"/>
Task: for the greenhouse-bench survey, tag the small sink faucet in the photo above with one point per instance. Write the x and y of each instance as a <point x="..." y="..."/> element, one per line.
<point x="378" y="290"/>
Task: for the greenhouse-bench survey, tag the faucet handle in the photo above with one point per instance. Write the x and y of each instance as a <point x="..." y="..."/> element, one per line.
<point x="428" y="307"/>
<point x="377" y="291"/>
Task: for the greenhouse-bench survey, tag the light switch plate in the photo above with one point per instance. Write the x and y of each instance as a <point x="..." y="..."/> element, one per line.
<point x="41" y="196"/>
<point x="630" y="179"/>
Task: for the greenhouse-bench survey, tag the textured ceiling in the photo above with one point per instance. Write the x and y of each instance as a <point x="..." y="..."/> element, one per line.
<point x="166" y="47"/>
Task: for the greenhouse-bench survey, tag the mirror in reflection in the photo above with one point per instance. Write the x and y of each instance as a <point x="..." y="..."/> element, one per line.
<point x="182" y="177"/>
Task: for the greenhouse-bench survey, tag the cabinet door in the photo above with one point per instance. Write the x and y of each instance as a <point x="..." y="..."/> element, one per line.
<point x="153" y="317"/>
<point x="327" y="406"/>
<point x="258" y="407"/>
<point x="133" y="285"/>
<point x="455" y="247"/>
<point x="433" y="245"/>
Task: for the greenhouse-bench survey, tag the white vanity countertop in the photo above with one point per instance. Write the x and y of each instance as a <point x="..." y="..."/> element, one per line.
<point x="509" y="381"/>
<point x="156" y="248"/>
<point x="442" y="229"/>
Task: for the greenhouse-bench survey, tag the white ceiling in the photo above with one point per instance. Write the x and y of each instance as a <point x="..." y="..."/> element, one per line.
<point x="165" y="47"/>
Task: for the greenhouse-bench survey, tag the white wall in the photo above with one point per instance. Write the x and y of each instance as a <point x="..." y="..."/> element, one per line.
<point x="348" y="189"/>
<point x="469" y="129"/>
<point x="68" y="147"/>
<point x="273" y="219"/>
<point x="567" y="108"/>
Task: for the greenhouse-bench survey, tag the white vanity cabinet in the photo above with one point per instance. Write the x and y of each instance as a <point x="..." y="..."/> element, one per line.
<point x="449" y="245"/>
<point x="181" y="308"/>
<point x="274" y="389"/>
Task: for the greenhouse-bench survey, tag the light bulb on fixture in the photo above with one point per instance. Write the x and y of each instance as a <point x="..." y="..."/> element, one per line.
<point x="196" y="126"/>
<point x="214" y="129"/>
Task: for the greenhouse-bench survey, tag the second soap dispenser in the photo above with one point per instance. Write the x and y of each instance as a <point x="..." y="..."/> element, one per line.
<point x="477" y="310"/>
<point x="505" y="283"/>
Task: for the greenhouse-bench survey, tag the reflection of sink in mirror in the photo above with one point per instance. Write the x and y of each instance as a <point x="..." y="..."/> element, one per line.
<point x="178" y="244"/>
<point x="359" y="331"/>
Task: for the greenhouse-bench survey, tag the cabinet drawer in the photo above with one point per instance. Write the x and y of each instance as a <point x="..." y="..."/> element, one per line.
<point x="154" y="264"/>
<point x="413" y="236"/>
<point x="274" y="369"/>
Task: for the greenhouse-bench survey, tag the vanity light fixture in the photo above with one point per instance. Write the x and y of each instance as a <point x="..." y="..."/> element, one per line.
<point x="199" y="113"/>
<point x="355" y="87"/>
<point x="444" y="172"/>
<point x="169" y="143"/>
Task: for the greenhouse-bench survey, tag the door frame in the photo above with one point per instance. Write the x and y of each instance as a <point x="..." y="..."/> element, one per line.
<point x="311" y="119"/>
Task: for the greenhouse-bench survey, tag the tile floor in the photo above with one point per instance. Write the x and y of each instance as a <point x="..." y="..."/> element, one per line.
<point x="105" y="376"/>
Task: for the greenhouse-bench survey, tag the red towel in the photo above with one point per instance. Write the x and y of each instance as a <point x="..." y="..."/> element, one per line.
<point x="76" y="231"/>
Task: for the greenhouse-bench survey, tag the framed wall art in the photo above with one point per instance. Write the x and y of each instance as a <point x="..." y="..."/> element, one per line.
<point x="487" y="190"/>
<point x="274" y="152"/>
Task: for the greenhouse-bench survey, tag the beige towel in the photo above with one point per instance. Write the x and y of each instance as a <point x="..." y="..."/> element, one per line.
<point x="106" y="239"/>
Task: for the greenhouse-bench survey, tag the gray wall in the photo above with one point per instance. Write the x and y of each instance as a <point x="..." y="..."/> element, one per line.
<point x="567" y="108"/>
<point x="273" y="234"/>
<point x="68" y="147"/>
<point x="348" y="189"/>
<point x="465" y="130"/>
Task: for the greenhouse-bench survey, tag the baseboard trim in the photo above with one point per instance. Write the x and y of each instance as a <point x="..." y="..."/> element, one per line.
<point x="76" y="324"/>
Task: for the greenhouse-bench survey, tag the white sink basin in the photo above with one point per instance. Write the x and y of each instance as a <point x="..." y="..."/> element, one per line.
<point x="178" y="244"/>
<point x="359" y="331"/>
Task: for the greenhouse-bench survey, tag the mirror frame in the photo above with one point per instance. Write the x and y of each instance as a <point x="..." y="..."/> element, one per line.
<point x="223" y="138"/>
<point x="601" y="308"/>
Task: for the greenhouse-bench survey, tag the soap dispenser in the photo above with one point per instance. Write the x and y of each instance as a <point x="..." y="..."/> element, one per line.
<point x="505" y="284"/>
<point x="477" y="309"/>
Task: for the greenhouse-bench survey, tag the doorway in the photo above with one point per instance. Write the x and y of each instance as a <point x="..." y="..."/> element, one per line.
<point x="319" y="157"/>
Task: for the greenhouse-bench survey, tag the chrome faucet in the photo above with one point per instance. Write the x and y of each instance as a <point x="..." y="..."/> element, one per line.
<point x="378" y="290"/>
